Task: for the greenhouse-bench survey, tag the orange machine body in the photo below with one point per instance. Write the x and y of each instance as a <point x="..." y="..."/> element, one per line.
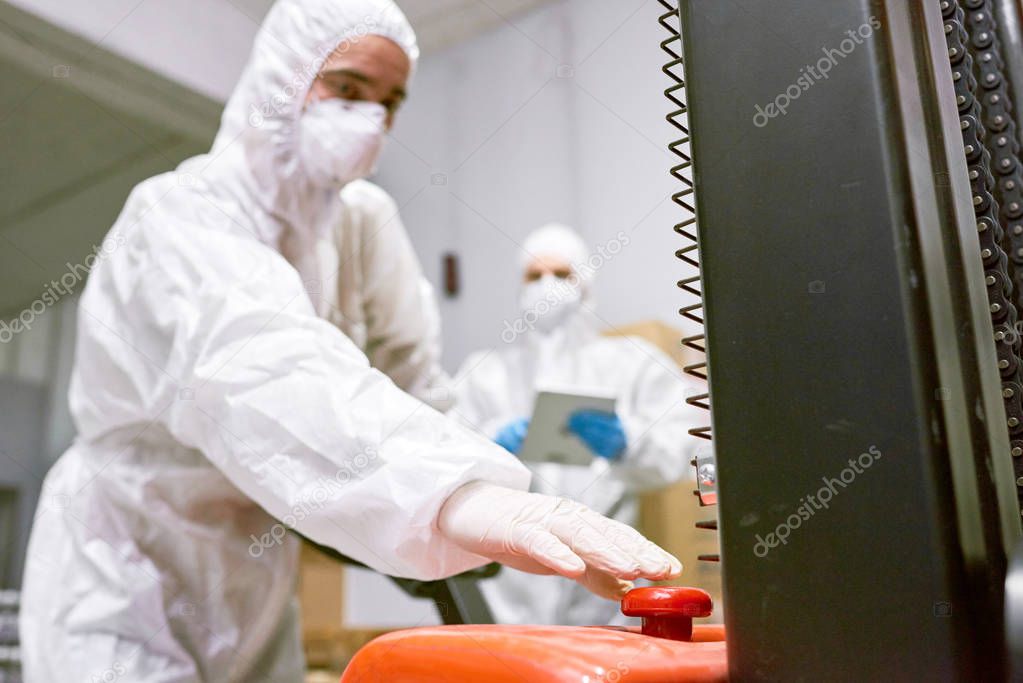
<point x="539" y="654"/>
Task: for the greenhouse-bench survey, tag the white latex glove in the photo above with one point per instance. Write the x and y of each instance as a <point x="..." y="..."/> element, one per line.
<point x="548" y="535"/>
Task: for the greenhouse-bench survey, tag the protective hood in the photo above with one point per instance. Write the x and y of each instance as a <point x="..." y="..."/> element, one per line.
<point x="254" y="156"/>
<point x="554" y="240"/>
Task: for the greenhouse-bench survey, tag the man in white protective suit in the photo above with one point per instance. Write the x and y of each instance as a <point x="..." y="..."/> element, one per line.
<point x="644" y="444"/>
<point x="216" y="408"/>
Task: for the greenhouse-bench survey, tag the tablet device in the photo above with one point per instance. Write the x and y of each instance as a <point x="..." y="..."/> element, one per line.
<point x="548" y="438"/>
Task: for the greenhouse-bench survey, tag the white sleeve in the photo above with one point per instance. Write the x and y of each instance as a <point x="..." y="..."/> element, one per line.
<point x="657" y="420"/>
<point x="402" y="316"/>
<point x="237" y="365"/>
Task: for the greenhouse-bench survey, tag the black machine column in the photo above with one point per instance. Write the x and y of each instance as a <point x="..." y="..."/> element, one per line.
<point x="867" y="501"/>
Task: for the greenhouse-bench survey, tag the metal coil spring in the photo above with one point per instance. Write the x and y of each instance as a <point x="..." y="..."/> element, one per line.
<point x="685" y="199"/>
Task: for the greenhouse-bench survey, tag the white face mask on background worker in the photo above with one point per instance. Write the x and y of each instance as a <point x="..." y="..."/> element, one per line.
<point x="550" y="299"/>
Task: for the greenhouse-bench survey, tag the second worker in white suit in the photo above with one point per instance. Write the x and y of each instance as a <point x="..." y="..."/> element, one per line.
<point x="644" y="445"/>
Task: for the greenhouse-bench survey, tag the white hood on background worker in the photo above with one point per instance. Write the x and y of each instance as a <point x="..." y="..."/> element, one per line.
<point x="554" y="240"/>
<point x="255" y="154"/>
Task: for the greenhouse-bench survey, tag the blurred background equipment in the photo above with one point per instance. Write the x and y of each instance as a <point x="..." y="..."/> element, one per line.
<point x="10" y="659"/>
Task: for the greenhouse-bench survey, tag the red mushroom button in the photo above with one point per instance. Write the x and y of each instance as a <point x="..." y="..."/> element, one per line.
<point x="667" y="611"/>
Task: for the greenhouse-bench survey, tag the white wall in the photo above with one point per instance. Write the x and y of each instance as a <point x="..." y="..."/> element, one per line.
<point x="557" y="116"/>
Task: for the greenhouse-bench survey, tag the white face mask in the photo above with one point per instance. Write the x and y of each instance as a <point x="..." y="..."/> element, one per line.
<point x="339" y="140"/>
<point x="548" y="302"/>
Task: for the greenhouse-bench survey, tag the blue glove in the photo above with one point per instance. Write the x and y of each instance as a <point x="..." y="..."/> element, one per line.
<point x="511" y="435"/>
<point x="601" y="432"/>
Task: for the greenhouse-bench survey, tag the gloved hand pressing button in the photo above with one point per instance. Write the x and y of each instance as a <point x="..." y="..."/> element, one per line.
<point x="544" y="534"/>
<point x="511" y="436"/>
<point x="602" y="432"/>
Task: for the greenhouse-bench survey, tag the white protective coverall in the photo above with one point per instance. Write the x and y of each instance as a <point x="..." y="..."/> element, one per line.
<point x="496" y="387"/>
<point x="377" y="294"/>
<point x="212" y="401"/>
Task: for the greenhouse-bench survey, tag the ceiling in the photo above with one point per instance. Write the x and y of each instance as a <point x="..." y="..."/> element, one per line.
<point x="438" y="23"/>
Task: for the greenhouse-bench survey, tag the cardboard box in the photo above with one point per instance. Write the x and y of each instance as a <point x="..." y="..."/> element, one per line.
<point x="321" y="591"/>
